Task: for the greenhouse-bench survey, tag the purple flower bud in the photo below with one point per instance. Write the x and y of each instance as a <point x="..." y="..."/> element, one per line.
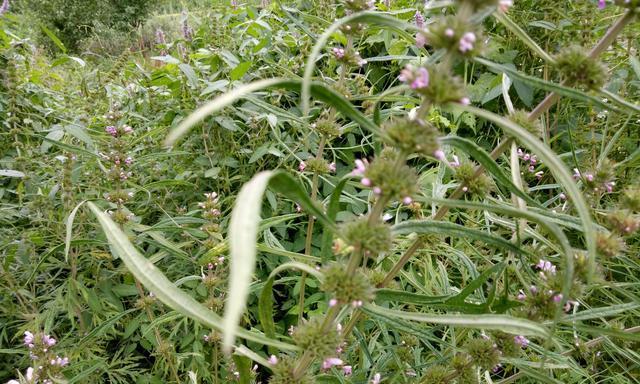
<point x="455" y="162"/>
<point x="377" y="190"/>
<point x="521" y="296"/>
<point x="504" y="5"/>
<point x="422" y="79"/>
<point x="522" y="341"/>
<point x="466" y="42"/>
<point x="449" y="32"/>
<point x="330" y="362"/>
<point x="302" y="166"/>
<point x="376" y="379"/>
<point x="360" y="168"/>
<point x="407" y="200"/>
<point x="273" y="360"/>
<point x="28" y="338"/>
<point x="5" y="7"/>
<point x="333" y="302"/>
<point x="465" y="101"/>
<point x="366" y="182"/>
<point x="533" y="289"/>
<point x="439" y="154"/>
<point x="562" y="196"/>
<point x="347" y="370"/>
<point x="419" y="20"/>
<point x="113" y="131"/>
<point x="557" y="298"/>
<point x="602" y="4"/>
<point x="332" y="167"/>
<point x="338" y="53"/>
<point x="421" y="40"/>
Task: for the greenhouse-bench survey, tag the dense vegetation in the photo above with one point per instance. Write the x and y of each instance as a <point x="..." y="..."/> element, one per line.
<point x="331" y="191"/>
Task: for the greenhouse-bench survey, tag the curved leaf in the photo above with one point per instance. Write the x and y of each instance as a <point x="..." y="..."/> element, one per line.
<point x="361" y="17"/>
<point x="502" y="323"/>
<point x="152" y="278"/>
<point x="452" y="229"/>
<point x="319" y="91"/>
<point x="243" y="236"/>
<point x="265" y="302"/>
<point x="557" y="168"/>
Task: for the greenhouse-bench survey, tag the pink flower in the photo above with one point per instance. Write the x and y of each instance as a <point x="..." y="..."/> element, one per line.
<point x="332" y="167"/>
<point x="576" y="173"/>
<point x="465" y="101"/>
<point x="419" y="20"/>
<point x="455" y="162"/>
<point x="356" y="303"/>
<point x="407" y="200"/>
<point x="48" y="340"/>
<point x="521" y="296"/>
<point x="302" y="166"/>
<point x="602" y="4"/>
<point x="533" y="289"/>
<point x="338" y="53"/>
<point x="504" y="5"/>
<point x="557" y="298"/>
<point x="366" y="182"/>
<point x="360" y="168"/>
<point x="330" y="362"/>
<point x="113" y="131"/>
<point x="406" y="74"/>
<point x="449" y="32"/>
<point x="466" y="42"/>
<point x="127" y="129"/>
<point x="422" y="79"/>
<point x="439" y="154"/>
<point x="273" y="360"/>
<point x="546" y="266"/>
<point x="539" y="175"/>
<point x="376" y="379"/>
<point x="521" y="341"/>
<point x="562" y="196"/>
<point x="347" y="370"/>
<point x="28" y="339"/>
<point x="609" y="186"/>
<point x="421" y="40"/>
<point x="5" y="7"/>
<point x="377" y="190"/>
<point x="333" y="302"/>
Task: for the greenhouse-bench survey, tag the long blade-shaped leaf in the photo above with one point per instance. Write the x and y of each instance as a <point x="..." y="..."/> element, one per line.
<point x="445" y="228"/>
<point x="243" y="236"/>
<point x="557" y="168"/>
<point x="503" y="323"/>
<point x="152" y="278"/>
<point x="319" y="91"/>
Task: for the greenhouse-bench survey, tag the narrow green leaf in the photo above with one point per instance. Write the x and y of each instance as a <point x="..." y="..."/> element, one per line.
<point x="545" y="85"/>
<point x="319" y="91"/>
<point x="557" y="168"/>
<point x="265" y="301"/>
<point x="243" y="236"/>
<point x="503" y="323"/>
<point x="69" y="230"/>
<point x="53" y="38"/>
<point x="522" y="35"/>
<point x="152" y="278"/>
<point x="451" y="229"/>
<point x="332" y="212"/>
